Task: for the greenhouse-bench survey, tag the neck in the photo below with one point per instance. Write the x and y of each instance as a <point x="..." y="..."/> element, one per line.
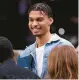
<point x="43" y="39"/>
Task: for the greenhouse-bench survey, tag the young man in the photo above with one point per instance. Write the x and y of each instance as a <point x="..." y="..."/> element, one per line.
<point x="8" y="67"/>
<point x="35" y="56"/>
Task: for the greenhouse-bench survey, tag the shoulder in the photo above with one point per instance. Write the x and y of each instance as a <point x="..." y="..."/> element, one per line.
<point x="27" y="50"/>
<point x="17" y="73"/>
<point x="25" y="57"/>
<point x="60" y="41"/>
<point x="65" y="42"/>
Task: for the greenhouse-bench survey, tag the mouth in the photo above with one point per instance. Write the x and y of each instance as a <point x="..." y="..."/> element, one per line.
<point x="35" y="30"/>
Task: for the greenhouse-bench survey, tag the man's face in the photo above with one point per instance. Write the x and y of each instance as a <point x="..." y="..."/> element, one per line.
<point x="39" y="23"/>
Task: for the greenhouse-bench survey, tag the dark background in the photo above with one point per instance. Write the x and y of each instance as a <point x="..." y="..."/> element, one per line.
<point x="14" y="25"/>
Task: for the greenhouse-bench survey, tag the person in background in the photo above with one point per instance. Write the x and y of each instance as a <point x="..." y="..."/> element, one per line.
<point x="63" y="63"/>
<point x="8" y="67"/>
<point x="77" y="49"/>
<point x="35" y="56"/>
<point x="16" y="54"/>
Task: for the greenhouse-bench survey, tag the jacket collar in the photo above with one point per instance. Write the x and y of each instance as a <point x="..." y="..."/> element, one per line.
<point x="31" y="48"/>
<point x="54" y="37"/>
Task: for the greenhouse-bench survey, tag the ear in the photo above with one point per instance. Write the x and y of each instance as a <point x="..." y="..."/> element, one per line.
<point x="51" y="20"/>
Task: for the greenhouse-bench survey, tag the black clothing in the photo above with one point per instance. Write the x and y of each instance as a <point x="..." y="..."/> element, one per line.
<point x="9" y="70"/>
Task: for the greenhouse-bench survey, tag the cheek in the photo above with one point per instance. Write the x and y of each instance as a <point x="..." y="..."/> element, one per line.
<point x="48" y="23"/>
<point x="29" y="24"/>
<point x="44" y="23"/>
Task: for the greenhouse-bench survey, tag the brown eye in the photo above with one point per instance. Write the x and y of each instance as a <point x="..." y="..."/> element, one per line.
<point x="40" y="19"/>
<point x="31" y="20"/>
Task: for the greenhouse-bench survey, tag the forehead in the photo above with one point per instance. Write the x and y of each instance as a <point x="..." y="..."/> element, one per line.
<point x="37" y="14"/>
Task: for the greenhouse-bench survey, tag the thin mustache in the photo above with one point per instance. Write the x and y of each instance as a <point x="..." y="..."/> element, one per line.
<point x="35" y="28"/>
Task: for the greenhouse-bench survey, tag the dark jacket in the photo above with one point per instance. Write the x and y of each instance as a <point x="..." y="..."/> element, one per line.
<point x="9" y="70"/>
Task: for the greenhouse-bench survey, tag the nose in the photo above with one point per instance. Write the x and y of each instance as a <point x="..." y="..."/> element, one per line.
<point x="35" y="23"/>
